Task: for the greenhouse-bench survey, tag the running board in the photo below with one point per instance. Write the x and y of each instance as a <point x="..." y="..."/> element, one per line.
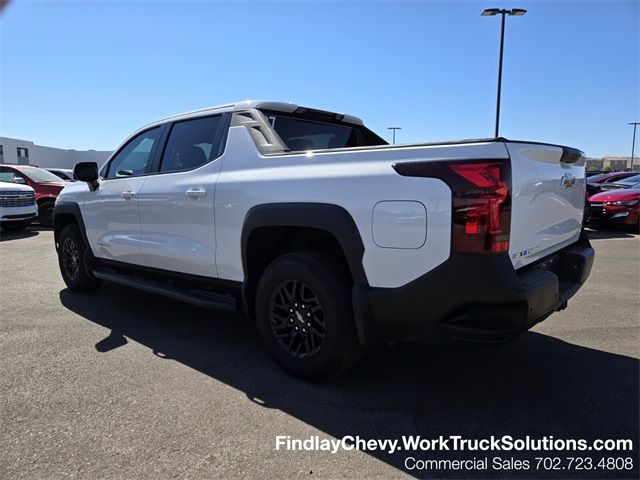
<point x="200" y="298"/>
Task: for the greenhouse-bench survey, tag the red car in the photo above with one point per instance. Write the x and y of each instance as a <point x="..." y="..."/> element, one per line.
<point x="46" y="185"/>
<point x="610" y="177"/>
<point x="615" y="207"/>
<point x="599" y="183"/>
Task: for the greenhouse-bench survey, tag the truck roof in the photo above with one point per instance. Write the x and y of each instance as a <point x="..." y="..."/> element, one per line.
<point x="251" y="104"/>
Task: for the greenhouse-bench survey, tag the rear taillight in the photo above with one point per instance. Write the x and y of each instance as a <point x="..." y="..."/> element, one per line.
<point x="481" y="201"/>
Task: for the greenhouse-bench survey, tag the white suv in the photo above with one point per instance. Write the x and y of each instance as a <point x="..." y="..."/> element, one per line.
<point x="333" y="240"/>
<point x="17" y="206"/>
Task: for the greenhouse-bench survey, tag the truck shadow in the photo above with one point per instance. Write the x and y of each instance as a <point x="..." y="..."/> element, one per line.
<point x="31" y="231"/>
<point x="9" y="236"/>
<point x="536" y="386"/>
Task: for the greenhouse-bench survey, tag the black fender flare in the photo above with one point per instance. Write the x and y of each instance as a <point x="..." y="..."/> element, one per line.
<point x="72" y="208"/>
<point x="322" y="216"/>
<point x="69" y="208"/>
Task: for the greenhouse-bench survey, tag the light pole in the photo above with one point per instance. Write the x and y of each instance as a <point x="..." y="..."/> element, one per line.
<point x="633" y="143"/>
<point x="394" y="132"/>
<point x="517" y="12"/>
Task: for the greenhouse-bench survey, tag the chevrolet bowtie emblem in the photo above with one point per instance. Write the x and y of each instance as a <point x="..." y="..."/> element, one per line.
<point x="567" y="180"/>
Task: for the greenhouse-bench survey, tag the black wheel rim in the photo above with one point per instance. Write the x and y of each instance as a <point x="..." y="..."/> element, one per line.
<point x="297" y="319"/>
<point x="70" y="258"/>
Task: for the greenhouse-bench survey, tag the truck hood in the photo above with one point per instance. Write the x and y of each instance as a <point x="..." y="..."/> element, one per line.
<point x="14" y="187"/>
<point x="60" y="184"/>
<point x="51" y="187"/>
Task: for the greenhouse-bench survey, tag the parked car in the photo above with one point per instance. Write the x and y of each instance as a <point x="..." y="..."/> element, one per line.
<point x="610" y="177"/>
<point x="610" y="181"/>
<point x="17" y="205"/>
<point x="615" y="207"/>
<point x="592" y="189"/>
<point x="625" y="183"/>
<point x="333" y="240"/>
<point x="62" y="173"/>
<point x="46" y="185"/>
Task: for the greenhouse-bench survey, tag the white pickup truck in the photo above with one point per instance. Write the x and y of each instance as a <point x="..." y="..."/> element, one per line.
<point x="333" y="240"/>
<point x="17" y="204"/>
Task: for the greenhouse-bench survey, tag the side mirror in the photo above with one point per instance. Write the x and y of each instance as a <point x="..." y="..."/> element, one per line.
<point x="19" y="180"/>
<point x="87" y="172"/>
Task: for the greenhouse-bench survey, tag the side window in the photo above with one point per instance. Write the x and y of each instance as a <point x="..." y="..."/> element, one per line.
<point x="135" y="156"/>
<point x="192" y="143"/>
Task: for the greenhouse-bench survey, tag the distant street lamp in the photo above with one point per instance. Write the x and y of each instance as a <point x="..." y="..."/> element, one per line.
<point x="489" y="12"/>
<point x="394" y="132"/>
<point x="633" y="142"/>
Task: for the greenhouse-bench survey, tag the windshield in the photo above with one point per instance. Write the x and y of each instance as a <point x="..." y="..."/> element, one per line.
<point x="616" y="177"/>
<point x="39" y="175"/>
<point x="304" y="134"/>
<point x="7" y="177"/>
<point x="632" y="180"/>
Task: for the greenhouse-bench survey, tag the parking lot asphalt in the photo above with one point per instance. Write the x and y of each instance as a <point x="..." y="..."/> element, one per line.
<point x="124" y="384"/>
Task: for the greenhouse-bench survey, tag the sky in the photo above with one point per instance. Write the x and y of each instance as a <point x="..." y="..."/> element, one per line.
<point x="85" y="75"/>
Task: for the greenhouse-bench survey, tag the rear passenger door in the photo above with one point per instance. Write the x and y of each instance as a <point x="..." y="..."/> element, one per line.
<point x="177" y="201"/>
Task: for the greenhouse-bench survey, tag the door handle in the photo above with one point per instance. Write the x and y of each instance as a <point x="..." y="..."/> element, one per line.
<point x="128" y="194"/>
<point x="196" y="192"/>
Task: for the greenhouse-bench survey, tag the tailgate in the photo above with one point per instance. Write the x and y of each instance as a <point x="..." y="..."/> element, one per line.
<point x="548" y="195"/>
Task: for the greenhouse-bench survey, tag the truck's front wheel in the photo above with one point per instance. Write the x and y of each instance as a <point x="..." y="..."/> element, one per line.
<point x="71" y="259"/>
<point x="305" y="316"/>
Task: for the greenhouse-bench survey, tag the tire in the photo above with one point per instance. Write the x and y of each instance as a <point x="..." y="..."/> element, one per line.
<point x="318" y="340"/>
<point x="13" y="226"/>
<point x="45" y="214"/>
<point x="72" y="257"/>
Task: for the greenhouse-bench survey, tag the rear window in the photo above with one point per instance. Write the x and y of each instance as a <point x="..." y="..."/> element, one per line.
<point x="304" y="134"/>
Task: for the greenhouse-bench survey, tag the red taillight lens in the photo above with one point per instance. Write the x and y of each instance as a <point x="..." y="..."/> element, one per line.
<point x="481" y="201"/>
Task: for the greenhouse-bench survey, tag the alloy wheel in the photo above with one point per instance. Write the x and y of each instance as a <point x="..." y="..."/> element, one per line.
<point x="70" y="258"/>
<point x="297" y="319"/>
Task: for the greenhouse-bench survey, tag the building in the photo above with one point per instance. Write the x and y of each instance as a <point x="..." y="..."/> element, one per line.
<point x="620" y="164"/>
<point x="613" y="164"/>
<point x="13" y="150"/>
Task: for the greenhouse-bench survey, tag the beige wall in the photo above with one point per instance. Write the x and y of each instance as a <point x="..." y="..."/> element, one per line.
<point x="616" y="164"/>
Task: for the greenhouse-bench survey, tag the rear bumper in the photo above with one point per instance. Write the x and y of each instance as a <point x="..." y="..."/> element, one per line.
<point x="474" y="298"/>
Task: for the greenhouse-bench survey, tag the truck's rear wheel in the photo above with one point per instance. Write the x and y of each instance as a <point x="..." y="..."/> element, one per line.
<point x="72" y="256"/>
<point x="305" y="316"/>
